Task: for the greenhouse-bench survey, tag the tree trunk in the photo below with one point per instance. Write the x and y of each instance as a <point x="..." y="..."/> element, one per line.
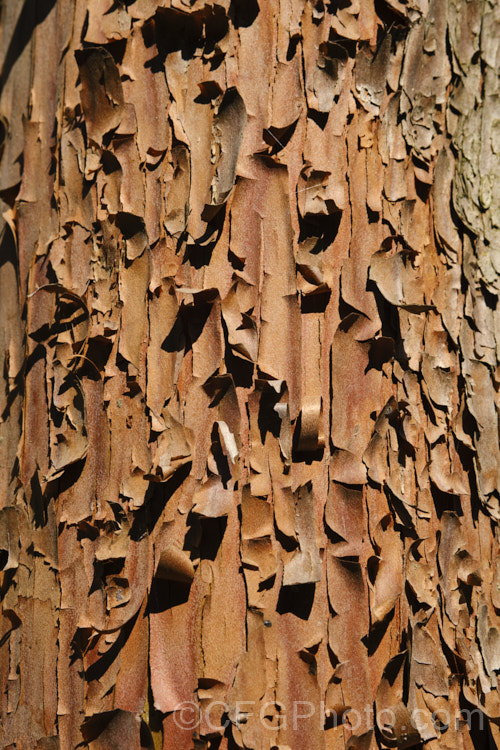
<point x="249" y="279"/>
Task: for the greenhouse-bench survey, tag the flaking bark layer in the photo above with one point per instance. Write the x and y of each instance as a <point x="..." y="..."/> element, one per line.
<point x="249" y="434"/>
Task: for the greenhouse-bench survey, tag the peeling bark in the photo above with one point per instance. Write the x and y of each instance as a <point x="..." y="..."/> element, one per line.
<point x="249" y="434"/>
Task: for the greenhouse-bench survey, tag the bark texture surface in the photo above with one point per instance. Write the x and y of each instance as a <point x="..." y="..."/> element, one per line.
<point x="249" y="442"/>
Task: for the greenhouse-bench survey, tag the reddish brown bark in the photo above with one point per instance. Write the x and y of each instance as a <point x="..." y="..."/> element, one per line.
<point x="249" y="445"/>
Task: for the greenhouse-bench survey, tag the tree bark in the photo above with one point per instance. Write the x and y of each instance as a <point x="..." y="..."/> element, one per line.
<point x="249" y="434"/>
